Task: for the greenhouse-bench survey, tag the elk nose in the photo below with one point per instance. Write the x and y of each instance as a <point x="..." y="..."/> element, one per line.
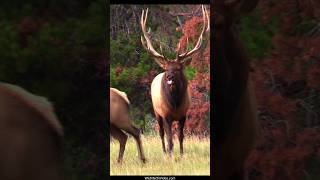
<point x="169" y="77"/>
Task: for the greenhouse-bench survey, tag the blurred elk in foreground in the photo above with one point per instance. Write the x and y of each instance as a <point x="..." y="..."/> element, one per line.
<point x="30" y="136"/>
<point x="169" y="90"/>
<point x="120" y="120"/>
<point x="235" y="120"/>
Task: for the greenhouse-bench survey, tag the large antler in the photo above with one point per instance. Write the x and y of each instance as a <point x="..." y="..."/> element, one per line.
<point x="180" y="57"/>
<point x="147" y="42"/>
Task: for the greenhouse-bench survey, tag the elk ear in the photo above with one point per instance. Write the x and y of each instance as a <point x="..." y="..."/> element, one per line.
<point x="186" y="62"/>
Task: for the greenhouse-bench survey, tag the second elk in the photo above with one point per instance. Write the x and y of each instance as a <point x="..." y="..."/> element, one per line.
<point x="120" y="121"/>
<point x="31" y="136"/>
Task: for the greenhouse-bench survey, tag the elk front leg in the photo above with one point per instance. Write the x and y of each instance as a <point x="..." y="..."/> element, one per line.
<point x="161" y="132"/>
<point x="167" y="127"/>
<point x="181" y="135"/>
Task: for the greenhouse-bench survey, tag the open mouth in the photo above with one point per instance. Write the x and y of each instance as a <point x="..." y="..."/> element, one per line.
<point x="170" y="84"/>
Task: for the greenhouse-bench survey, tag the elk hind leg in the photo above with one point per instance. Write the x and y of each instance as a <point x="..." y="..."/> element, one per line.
<point x="121" y="137"/>
<point x="135" y="132"/>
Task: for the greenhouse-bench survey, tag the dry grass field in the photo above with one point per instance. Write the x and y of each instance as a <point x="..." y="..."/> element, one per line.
<point x="195" y="161"/>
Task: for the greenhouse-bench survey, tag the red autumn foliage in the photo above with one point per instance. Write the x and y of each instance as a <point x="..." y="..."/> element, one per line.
<point x="119" y="70"/>
<point x="287" y="90"/>
<point x="28" y="27"/>
<point x="199" y="110"/>
<point x="313" y="77"/>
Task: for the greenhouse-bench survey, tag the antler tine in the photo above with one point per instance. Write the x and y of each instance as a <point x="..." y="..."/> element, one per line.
<point x="178" y="51"/>
<point x="145" y="39"/>
<point x="207" y="16"/>
<point x="199" y="42"/>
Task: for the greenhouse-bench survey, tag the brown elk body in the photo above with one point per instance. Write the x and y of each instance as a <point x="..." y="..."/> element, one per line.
<point x="235" y="106"/>
<point x="169" y="90"/>
<point x="120" y="120"/>
<point x="30" y="136"/>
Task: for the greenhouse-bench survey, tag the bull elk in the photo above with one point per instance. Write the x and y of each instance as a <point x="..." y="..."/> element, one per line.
<point x="235" y="125"/>
<point x="169" y="90"/>
<point x="30" y="136"/>
<point x="120" y="120"/>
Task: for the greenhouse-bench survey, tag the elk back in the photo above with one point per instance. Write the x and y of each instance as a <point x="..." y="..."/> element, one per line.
<point x="119" y="109"/>
<point x="30" y="136"/>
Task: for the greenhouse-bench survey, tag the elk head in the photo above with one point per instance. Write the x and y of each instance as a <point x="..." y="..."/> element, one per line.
<point x="173" y="67"/>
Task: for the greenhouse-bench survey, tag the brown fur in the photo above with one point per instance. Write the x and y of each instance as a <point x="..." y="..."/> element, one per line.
<point x="30" y="136"/>
<point x="170" y="103"/>
<point x="120" y="120"/>
<point x="174" y="98"/>
<point x="235" y="104"/>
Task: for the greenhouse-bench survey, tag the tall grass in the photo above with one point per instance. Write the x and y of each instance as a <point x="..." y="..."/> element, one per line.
<point x="195" y="161"/>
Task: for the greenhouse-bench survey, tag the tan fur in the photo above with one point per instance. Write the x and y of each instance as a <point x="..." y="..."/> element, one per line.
<point x="119" y="114"/>
<point x="157" y="100"/>
<point x="30" y="135"/>
<point x="120" y="121"/>
<point x="120" y="93"/>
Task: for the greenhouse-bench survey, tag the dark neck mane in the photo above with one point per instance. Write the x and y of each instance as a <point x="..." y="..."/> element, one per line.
<point x="174" y="98"/>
